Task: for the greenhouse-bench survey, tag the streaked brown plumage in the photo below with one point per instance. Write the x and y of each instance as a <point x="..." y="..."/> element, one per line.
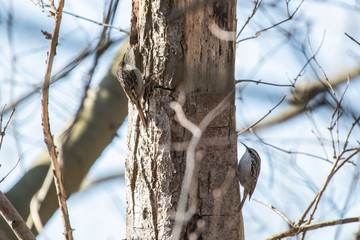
<point x="131" y="81"/>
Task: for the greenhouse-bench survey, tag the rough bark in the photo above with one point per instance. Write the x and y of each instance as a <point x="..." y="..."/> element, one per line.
<point x="177" y="53"/>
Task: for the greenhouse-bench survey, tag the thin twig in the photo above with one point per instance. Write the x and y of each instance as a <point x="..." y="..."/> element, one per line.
<point x="317" y="197"/>
<point x="352" y="38"/>
<point x="265" y="83"/>
<point x="294" y="152"/>
<point x="46" y="125"/>
<point x="2" y="131"/>
<point x="317" y="135"/>
<point x="98" y="23"/>
<point x="290" y="16"/>
<point x="304" y="93"/>
<point x="41" y="6"/>
<point x="10" y="170"/>
<point x="257" y="5"/>
<point x="314" y="204"/>
<point x="321" y="69"/>
<point x="350" y="131"/>
<point x="62" y="72"/>
<point x="287" y="220"/>
<point x="254" y="124"/>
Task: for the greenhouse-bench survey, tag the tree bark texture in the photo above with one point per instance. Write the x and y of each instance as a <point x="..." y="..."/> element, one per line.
<point x="172" y="46"/>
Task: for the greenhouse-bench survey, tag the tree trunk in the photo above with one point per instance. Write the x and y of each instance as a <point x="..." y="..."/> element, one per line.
<point x="176" y="52"/>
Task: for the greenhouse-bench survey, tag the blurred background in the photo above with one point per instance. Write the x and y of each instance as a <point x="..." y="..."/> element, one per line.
<point x="298" y="148"/>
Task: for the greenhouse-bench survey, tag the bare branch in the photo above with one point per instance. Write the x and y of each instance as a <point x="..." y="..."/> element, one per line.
<point x="265" y="83"/>
<point x="322" y="70"/>
<point x="350" y="131"/>
<point x="294" y="152"/>
<point x="48" y="138"/>
<point x="296" y="230"/>
<point x="43" y="8"/>
<point x="303" y="94"/>
<point x="13" y="218"/>
<point x="98" y="23"/>
<point x="336" y="166"/>
<point x="257" y="4"/>
<point x="62" y="72"/>
<point x="2" y="131"/>
<point x="10" y="171"/>
<point x="7" y="210"/>
<point x="290" y="16"/>
<point x="317" y="197"/>
<point x="352" y="38"/>
<point x="258" y="121"/>
<point x="281" y="214"/>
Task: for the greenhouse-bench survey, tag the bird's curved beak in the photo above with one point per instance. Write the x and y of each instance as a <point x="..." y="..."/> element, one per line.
<point x="244" y="145"/>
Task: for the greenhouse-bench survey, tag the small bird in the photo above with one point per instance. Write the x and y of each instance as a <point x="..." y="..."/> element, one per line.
<point x="131" y="81"/>
<point x="248" y="172"/>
